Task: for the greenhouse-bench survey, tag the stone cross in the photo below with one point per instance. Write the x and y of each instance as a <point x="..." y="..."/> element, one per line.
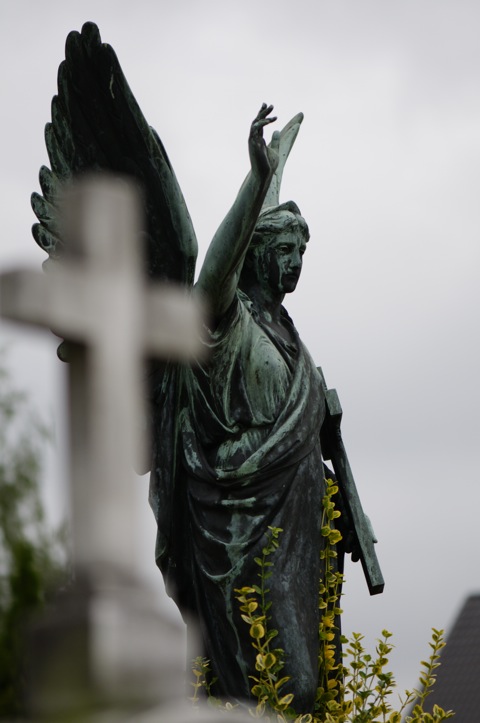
<point x="97" y="298"/>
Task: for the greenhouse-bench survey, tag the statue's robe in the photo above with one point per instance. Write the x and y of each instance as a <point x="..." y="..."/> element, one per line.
<point x="248" y="457"/>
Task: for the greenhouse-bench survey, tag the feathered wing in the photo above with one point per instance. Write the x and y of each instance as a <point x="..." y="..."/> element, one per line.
<point x="287" y="138"/>
<point x="97" y="125"/>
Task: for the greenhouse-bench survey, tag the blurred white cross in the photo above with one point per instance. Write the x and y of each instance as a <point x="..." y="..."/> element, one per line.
<point x="97" y="298"/>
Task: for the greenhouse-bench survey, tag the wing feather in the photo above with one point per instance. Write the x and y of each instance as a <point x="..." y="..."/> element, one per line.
<point x="45" y="212"/>
<point x="97" y="125"/>
<point x="49" y="184"/>
<point x="62" y="131"/>
<point x="47" y="241"/>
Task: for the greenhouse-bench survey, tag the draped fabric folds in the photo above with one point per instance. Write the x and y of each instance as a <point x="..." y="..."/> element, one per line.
<point x="247" y="456"/>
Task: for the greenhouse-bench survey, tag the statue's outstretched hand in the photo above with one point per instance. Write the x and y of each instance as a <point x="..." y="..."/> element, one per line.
<point x="264" y="159"/>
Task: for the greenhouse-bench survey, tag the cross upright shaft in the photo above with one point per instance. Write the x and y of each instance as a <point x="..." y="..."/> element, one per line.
<point x="103" y="226"/>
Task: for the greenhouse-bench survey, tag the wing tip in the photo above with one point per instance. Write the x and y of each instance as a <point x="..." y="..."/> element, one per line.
<point x="85" y="41"/>
<point x="91" y="34"/>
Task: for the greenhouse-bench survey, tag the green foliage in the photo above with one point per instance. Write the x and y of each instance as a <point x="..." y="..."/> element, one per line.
<point x="330" y="671"/>
<point x="427" y="681"/>
<point x="356" y="690"/>
<point x="203" y="680"/>
<point x="29" y="554"/>
<point x="269" y="662"/>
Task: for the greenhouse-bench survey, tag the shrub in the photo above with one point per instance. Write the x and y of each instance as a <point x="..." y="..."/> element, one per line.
<point x="30" y="554"/>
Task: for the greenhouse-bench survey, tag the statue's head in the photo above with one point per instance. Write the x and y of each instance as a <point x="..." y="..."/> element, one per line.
<point x="274" y="256"/>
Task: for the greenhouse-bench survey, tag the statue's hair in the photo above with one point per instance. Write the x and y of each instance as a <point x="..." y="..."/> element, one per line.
<point x="275" y="219"/>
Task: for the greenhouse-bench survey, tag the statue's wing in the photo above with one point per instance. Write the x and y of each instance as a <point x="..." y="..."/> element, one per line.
<point x="287" y="138"/>
<point x="97" y="125"/>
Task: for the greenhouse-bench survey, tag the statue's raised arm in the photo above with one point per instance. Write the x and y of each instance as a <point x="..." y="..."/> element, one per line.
<point x="220" y="272"/>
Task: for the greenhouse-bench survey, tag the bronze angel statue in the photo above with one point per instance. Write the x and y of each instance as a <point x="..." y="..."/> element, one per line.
<point x="236" y="436"/>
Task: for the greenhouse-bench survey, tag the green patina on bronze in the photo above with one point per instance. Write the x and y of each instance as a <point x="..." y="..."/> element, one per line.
<point x="236" y="438"/>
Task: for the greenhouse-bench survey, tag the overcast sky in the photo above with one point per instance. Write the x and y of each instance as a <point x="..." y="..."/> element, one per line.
<point x="386" y="170"/>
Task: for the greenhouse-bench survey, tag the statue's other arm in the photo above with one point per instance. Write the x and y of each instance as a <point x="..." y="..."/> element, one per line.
<point x="223" y="263"/>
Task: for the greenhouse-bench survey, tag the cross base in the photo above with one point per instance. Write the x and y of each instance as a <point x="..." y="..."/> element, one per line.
<point x="103" y="646"/>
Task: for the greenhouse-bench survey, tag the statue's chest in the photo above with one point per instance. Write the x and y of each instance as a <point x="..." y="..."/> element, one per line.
<point x="267" y="374"/>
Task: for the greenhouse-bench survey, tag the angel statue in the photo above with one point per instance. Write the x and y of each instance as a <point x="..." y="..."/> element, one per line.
<point x="236" y="443"/>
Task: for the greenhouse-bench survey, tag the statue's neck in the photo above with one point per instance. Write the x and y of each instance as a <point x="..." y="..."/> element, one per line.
<point x="267" y="304"/>
<point x="268" y="307"/>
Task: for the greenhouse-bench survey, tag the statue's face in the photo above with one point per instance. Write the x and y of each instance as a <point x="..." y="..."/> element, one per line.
<point x="279" y="262"/>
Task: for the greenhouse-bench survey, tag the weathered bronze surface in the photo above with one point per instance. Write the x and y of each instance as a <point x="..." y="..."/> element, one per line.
<point x="236" y="439"/>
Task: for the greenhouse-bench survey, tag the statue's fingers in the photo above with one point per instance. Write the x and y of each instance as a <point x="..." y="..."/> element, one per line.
<point x="272" y="119"/>
<point x="264" y="111"/>
<point x="261" y="122"/>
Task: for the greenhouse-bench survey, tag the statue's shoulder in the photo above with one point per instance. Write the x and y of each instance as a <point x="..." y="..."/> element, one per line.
<point x="246" y="302"/>
<point x="235" y="327"/>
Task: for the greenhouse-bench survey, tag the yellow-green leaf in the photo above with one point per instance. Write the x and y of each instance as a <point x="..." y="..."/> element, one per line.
<point x="285" y="701"/>
<point x="257" y="631"/>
